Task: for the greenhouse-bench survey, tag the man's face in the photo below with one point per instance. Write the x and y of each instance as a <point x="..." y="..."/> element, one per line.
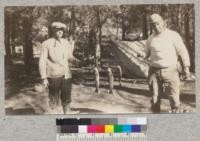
<point x="158" y="26"/>
<point x="58" y="33"/>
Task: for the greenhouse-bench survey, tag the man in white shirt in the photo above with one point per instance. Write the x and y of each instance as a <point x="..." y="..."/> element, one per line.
<point x="163" y="48"/>
<point x="54" y="68"/>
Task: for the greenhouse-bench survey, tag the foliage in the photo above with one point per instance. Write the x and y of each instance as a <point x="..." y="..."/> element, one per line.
<point x="89" y="21"/>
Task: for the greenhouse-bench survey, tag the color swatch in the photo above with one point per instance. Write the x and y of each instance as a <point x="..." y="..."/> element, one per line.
<point x="101" y="125"/>
<point x="101" y="129"/>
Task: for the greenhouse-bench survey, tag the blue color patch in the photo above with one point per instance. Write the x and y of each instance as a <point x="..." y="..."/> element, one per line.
<point x="126" y="128"/>
<point x="136" y="128"/>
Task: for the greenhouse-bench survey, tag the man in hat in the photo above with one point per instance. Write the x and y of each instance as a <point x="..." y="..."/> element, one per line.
<point x="54" y="68"/>
<point x="163" y="48"/>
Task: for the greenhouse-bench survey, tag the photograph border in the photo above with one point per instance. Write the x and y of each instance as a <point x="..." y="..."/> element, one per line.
<point x="182" y="126"/>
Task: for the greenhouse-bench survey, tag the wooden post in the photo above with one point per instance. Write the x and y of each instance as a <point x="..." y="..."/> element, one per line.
<point x="97" y="83"/>
<point x="119" y="74"/>
<point x="110" y="80"/>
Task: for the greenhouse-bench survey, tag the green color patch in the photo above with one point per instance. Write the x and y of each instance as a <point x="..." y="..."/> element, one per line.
<point x="118" y="129"/>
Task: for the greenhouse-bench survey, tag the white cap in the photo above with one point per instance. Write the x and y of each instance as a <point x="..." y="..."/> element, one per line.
<point x="58" y="25"/>
<point x="155" y="18"/>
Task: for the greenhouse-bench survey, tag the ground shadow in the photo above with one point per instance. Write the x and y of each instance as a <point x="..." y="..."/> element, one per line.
<point x="21" y="111"/>
<point x="134" y="91"/>
<point x="186" y="97"/>
<point x="87" y="110"/>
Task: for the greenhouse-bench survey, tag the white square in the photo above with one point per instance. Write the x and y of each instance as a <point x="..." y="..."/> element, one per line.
<point x="82" y="129"/>
<point x="142" y="121"/>
<point x="131" y="120"/>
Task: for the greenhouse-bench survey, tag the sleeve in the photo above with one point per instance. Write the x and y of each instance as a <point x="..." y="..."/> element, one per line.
<point x="43" y="61"/>
<point x="66" y="51"/>
<point x="147" y="48"/>
<point x="181" y="50"/>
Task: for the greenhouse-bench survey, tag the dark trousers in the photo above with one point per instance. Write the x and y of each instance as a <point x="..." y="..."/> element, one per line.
<point x="59" y="89"/>
<point x="164" y="81"/>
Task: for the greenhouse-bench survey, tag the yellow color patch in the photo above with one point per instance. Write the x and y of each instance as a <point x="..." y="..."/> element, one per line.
<point x="109" y="128"/>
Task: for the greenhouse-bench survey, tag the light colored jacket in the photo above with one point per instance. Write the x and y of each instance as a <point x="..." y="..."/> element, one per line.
<point x="54" y="57"/>
<point x="163" y="49"/>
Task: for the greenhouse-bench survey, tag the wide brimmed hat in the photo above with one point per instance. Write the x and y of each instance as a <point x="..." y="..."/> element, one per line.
<point x="58" y="25"/>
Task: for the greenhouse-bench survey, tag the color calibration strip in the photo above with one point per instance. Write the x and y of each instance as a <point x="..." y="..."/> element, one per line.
<point x="102" y="129"/>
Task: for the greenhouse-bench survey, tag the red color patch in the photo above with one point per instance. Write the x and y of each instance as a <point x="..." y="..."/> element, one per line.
<point x="100" y="129"/>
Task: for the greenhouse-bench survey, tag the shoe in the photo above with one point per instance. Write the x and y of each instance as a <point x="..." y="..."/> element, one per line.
<point x="180" y="109"/>
<point x="67" y="109"/>
<point x="51" y="108"/>
<point x="97" y="91"/>
<point x="155" y="108"/>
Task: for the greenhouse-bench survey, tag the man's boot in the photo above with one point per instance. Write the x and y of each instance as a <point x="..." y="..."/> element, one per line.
<point x="51" y="106"/>
<point x="180" y="109"/>
<point x="155" y="107"/>
<point x="67" y="109"/>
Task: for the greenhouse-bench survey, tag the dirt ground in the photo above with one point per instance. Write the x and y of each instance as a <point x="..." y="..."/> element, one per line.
<point x="132" y="97"/>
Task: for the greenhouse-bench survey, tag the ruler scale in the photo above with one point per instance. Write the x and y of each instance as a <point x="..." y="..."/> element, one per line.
<point x="102" y="129"/>
<point x="113" y="137"/>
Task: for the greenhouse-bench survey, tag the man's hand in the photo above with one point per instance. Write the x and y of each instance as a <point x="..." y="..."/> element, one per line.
<point x="187" y="73"/>
<point x="141" y="55"/>
<point x="45" y="82"/>
<point x="74" y="61"/>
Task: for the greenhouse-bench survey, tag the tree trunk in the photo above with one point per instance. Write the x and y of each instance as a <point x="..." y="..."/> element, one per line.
<point x="13" y="32"/>
<point x="123" y="30"/>
<point x="144" y="27"/>
<point x="179" y="25"/>
<point x="98" y="35"/>
<point x="99" y="32"/>
<point x="123" y="27"/>
<point x="72" y="22"/>
<point x="8" y="59"/>
<point x="187" y="40"/>
<point x="164" y="11"/>
<point x="92" y="40"/>
<point x="28" y="50"/>
<point x="193" y="43"/>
